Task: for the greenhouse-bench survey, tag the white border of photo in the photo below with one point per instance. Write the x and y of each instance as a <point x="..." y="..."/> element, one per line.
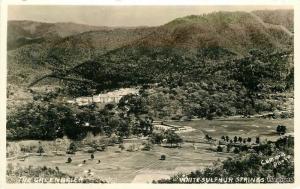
<point x="5" y="3"/>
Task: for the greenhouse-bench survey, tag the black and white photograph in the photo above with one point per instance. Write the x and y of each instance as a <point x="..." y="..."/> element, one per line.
<point x="195" y="94"/>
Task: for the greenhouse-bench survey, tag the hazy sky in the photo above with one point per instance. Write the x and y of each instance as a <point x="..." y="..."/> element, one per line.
<point x="118" y="15"/>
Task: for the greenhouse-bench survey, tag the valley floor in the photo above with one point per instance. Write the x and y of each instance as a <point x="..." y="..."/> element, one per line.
<point x="139" y="166"/>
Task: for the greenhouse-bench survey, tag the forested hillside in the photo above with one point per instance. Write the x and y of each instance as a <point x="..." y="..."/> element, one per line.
<point x="204" y="66"/>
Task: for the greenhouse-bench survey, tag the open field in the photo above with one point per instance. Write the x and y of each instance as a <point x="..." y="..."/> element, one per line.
<point x="144" y="166"/>
<point x="129" y="166"/>
<point x="250" y="127"/>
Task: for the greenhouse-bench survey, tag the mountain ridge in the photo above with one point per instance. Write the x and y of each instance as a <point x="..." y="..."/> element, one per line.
<point x="232" y="33"/>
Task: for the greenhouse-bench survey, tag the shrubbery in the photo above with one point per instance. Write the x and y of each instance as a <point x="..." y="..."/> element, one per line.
<point x="170" y="136"/>
<point x="72" y="148"/>
<point x="281" y="129"/>
<point x="249" y="165"/>
<point x="48" y="120"/>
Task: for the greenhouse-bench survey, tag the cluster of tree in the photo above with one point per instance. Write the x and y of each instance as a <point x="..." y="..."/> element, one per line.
<point x="39" y="121"/>
<point x="174" y="67"/>
<point x="40" y="149"/>
<point x="169" y="136"/>
<point x="205" y="99"/>
<point x="48" y="120"/>
<point x="72" y="148"/>
<point x="236" y="144"/>
<point x="201" y="86"/>
<point x="249" y="165"/>
<point x="239" y="139"/>
<point x="281" y="129"/>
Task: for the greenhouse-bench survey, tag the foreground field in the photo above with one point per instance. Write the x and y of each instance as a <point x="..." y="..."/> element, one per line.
<point x="118" y="166"/>
<point x="126" y="166"/>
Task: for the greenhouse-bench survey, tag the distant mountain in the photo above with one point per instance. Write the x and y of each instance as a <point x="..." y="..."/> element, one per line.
<point x="98" y="56"/>
<point x="184" y="48"/>
<point x="234" y="31"/>
<point x="284" y="18"/>
<point x="48" y="46"/>
<point x="76" y="49"/>
<point x="27" y="32"/>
